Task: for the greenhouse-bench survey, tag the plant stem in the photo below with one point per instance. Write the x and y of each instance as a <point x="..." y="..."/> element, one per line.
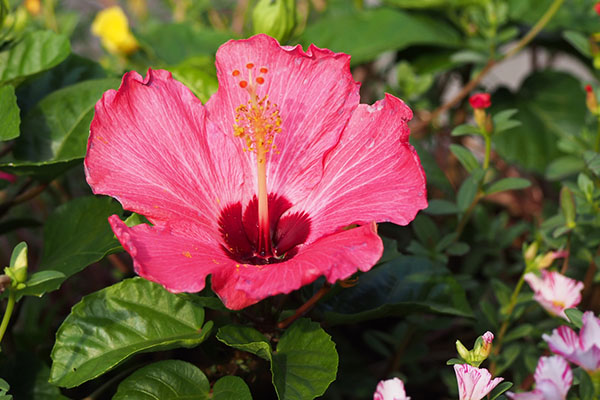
<point x="597" y="144"/>
<point x="490" y="64"/>
<point x="506" y="323"/>
<point x="7" y="313"/>
<point x="304" y="308"/>
<point x="488" y="150"/>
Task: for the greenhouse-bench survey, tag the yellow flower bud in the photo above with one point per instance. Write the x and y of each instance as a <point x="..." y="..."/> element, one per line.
<point x="112" y="27"/>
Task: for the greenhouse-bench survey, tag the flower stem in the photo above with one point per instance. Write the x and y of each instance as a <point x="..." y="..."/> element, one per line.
<point x="506" y="323"/>
<point x="304" y="308"/>
<point x="7" y="313"/>
<point x="488" y="150"/>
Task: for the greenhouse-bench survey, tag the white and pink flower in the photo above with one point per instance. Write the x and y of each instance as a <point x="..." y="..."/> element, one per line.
<point x="474" y="383"/>
<point x="555" y="292"/>
<point x="582" y="349"/>
<point x="553" y="379"/>
<point x="391" y="389"/>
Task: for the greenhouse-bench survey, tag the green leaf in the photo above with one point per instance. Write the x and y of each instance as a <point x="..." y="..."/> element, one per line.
<point x="246" y="339"/>
<point x="41" y="282"/>
<point x="502" y="121"/>
<point x="426" y="230"/>
<point x="9" y="113"/>
<point x="551" y="106"/>
<point x="580" y="42"/>
<point x="567" y="206"/>
<point x="586" y="386"/>
<point x="466" y="158"/>
<point x="466" y="129"/>
<point x="381" y="29"/>
<point x="35" y="52"/>
<point x="592" y="161"/>
<point x="231" y="388"/>
<point x="458" y="249"/>
<point x="57" y="129"/>
<point x="77" y="234"/>
<point x="403" y="286"/>
<point x="562" y="167"/>
<point x="519" y="332"/>
<point x="441" y="207"/>
<point x="467" y="192"/>
<point x="305" y="363"/>
<point x="175" y="42"/>
<point x="507" y="184"/>
<point x="109" y="326"/>
<point x="168" y="379"/>
<point x="498" y="390"/>
<point x="198" y="74"/>
<point x="574" y="316"/>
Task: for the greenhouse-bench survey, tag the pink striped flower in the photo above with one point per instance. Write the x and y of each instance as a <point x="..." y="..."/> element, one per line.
<point x="258" y="186"/>
<point x="582" y="349"/>
<point x="555" y="292"/>
<point x="474" y="383"/>
<point x="391" y="389"/>
<point x="553" y="379"/>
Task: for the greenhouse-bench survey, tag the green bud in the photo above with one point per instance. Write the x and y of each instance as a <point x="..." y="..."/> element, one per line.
<point x="531" y="251"/>
<point x="462" y="351"/>
<point x="597" y="62"/>
<point x="18" y="264"/>
<point x="276" y="18"/>
<point x="567" y="205"/>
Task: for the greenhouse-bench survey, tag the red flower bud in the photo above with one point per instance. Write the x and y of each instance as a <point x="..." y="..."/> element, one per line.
<point x="480" y="100"/>
<point x="589" y="88"/>
<point x="597" y="8"/>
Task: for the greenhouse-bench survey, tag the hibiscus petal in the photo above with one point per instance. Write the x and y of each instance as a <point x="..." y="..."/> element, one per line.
<point x="336" y="256"/>
<point x="179" y="263"/>
<point x="315" y="93"/>
<point x="151" y="148"/>
<point x="373" y="174"/>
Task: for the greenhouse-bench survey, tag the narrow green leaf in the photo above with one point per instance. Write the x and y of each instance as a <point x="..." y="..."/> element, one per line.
<point x="586" y="386"/>
<point x="580" y="42"/>
<point x="563" y="167"/>
<point x="231" y="388"/>
<point x="498" y="390"/>
<point x="567" y="206"/>
<point x="35" y="52"/>
<point x="305" y="363"/>
<point x="41" y="282"/>
<point x="466" y="158"/>
<point x="168" y="379"/>
<point x="77" y="234"/>
<point x="466" y="193"/>
<point x="109" y="326"/>
<point x="245" y="338"/>
<point x="458" y="249"/>
<point x="441" y="207"/>
<point x="574" y="316"/>
<point x="507" y="184"/>
<point x="9" y="113"/>
<point x="519" y="332"/>
<point x="466" y="129"/>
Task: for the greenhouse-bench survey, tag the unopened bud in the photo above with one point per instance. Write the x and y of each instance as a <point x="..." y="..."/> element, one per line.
<point x="481" y="350"/>
<point x="547" y="259"/>
<point x="531" y="251"/>
<point x="590" y="100"/>
<point x="18" y="264"/>
<point x="462" y="350"/>
<point x="276" y="18"/>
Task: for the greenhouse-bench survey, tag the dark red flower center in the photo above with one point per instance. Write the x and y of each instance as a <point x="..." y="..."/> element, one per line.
<point x="240" y="231"/>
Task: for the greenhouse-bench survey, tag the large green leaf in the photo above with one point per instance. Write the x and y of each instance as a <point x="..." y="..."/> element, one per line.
<point x="55" y="132"/>
<point x="109" y="326"/>
<point x="77" y="234"/>
<point x="551" y="105"/>
<point x="175" y="42"/>
<point x="9" y="113"/>
<point x="380" y="30"/>
<point x="199" y="75"/>
<point x="178" y="380"/>
<point x="304" y="364"/>
<point x="405" y="285"/>
<point x="35" y="52"/>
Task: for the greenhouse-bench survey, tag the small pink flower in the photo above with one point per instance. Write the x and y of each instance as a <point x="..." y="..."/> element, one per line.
<point x="480" y="100"/>
<point x="392" y="389"/>
<point x="474" y="383"/>
<point x="582" y="349"/>
<point x="553" y="379"/>
<point x="257" y="187"/>
<point x="555" y="292"/>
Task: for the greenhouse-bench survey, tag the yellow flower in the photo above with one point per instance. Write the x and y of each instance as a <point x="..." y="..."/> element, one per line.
<point x="111" y="26"/>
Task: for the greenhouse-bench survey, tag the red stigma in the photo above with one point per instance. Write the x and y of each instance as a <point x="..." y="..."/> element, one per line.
<point x="235" y="72"/>
<point x="260" y="80"/>
<point x="243" y="84"/>
<point x="249" y="65"/>
<point x="263" y="70"/>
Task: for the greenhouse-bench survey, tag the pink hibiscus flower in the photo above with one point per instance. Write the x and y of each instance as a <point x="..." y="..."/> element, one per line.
<point x="258" y="186"/>
<point x="391" y="389"/>
<point x="553" y="379"/>
<point x="582" y="349"/>
<point x="555" y="292"/>
<point x="474" y="383"/>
